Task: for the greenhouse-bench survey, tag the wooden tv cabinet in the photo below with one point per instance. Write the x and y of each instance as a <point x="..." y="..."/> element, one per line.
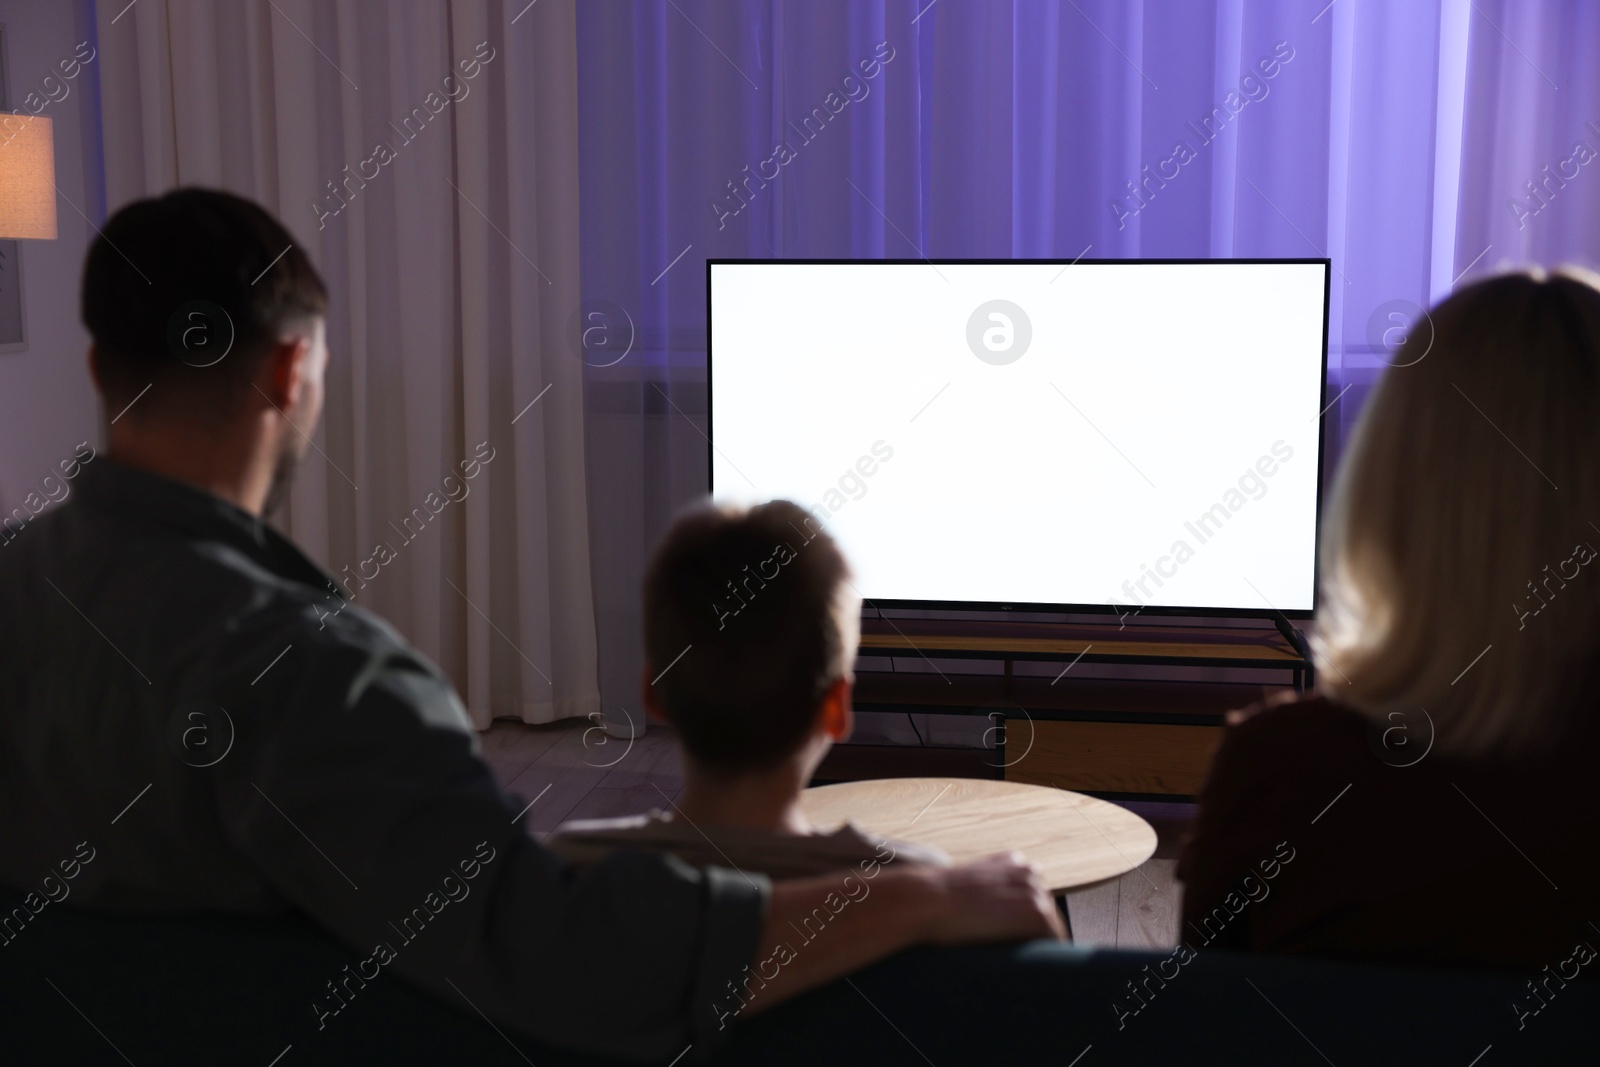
<point x="1152" y="645"/>
<point x="1130" y="737"/>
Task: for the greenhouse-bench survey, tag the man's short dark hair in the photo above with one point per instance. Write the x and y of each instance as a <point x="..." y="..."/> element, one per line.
<point x="175" y="281"/>
<point x="761" y="600"/>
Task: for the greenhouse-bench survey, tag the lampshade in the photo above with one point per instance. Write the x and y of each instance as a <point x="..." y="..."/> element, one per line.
<point x="27" y="178"/>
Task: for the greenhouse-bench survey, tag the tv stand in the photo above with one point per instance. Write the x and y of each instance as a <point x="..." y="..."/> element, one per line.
<point x="1121" y="737"/>
<point x="1298" y="641"/>
<point x="1144" y="644"/>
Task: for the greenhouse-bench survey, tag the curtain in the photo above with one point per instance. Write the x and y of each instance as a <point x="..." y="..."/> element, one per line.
<point x="1360" y="130"/>
<point x="1531" y="194"/>
<point x="425" y="155"/>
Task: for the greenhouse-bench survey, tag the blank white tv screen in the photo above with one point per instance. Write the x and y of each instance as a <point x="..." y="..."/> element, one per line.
<point x="1111" y="435"/>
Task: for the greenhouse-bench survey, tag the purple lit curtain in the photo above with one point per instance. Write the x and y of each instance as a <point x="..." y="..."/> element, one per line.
<point x="1388" y="136"/>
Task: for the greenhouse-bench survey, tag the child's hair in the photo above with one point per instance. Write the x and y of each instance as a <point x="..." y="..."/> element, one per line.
<point x="749" y="619"/>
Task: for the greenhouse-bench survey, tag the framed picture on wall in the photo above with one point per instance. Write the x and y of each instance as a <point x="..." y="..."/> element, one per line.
<point x="13" y="332"/>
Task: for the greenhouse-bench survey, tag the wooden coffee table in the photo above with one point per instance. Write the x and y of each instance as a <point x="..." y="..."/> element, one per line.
<point x="1074" y="840"/>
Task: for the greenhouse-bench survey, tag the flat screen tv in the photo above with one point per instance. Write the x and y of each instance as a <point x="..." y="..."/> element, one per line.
<point x="1089" y="436"/>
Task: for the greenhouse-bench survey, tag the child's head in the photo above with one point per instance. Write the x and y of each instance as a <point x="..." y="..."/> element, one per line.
<point x="751" y="627"/>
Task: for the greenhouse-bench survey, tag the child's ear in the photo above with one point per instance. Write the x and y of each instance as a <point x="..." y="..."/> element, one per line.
<point x="838" y="717"/>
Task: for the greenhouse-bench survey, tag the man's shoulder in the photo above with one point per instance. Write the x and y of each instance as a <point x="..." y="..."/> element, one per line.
<point x="245" y="597"/>
<point x="26" y="537"/>
<point x="333" y="642"/>
<point x="245" y="594"/>
<point x="294" y="647"/>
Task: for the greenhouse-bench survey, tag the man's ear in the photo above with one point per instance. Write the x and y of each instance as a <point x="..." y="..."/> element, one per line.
<point x="284" y="372"/>
<point x="652" y="703"/>
<point x="94" y="369"/>
<point x="837" y="717"/>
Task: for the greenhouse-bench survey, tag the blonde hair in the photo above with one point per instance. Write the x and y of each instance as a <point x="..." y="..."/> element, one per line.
<point x="1469" y="492"/>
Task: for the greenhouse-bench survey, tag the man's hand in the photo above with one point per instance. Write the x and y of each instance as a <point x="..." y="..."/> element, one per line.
<point x="996" y="899"/>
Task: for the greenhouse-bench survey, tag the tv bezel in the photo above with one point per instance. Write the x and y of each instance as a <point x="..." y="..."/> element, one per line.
<point x="1265" y="612"/>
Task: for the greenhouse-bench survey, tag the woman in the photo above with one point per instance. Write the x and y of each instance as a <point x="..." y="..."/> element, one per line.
<point x="1435" y="800"/>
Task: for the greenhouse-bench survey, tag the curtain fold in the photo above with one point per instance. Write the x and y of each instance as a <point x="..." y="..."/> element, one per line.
<point x="425" y="154"/>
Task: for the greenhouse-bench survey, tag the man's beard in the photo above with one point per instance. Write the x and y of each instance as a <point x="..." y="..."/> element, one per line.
<point x="282" y="478"/>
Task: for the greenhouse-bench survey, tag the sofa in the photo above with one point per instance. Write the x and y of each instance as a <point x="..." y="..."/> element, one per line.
<point x="83" y="987"/>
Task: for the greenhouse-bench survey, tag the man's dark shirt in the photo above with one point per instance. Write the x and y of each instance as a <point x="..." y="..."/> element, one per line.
<point x="182" y="707"/>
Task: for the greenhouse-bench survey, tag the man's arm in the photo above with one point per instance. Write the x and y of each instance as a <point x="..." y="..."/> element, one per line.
<point x="353" y="789"/>
<point x="870" y="917"/>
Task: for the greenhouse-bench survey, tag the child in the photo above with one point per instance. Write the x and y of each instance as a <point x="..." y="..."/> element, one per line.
<point x="751" y="629"/>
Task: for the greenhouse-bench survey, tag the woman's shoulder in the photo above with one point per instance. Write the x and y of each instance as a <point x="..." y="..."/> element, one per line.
<point x="1280" y="763"/>
<point x="1287" y="744"/>
<point x="1295" y="719"/>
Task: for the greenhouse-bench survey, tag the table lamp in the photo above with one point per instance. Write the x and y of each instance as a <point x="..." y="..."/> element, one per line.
<point x="27" y="178"/>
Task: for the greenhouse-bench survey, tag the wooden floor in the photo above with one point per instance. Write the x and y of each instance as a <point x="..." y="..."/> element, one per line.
<point x="570" y="770"/>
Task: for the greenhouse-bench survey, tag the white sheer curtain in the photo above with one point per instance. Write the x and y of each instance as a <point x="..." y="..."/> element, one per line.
<point x="1530" y="189"/>
<point x="425" y="155"/>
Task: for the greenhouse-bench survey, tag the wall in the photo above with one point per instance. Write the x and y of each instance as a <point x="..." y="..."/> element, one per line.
<point x="47" y="404"/>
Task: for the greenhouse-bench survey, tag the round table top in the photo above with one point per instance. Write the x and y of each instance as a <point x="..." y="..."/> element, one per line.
<point x="1074" y="840"/>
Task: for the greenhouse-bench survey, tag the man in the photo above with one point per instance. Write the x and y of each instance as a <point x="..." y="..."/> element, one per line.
<point x="189" y="728"/>
<point x="763" y="601"/>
